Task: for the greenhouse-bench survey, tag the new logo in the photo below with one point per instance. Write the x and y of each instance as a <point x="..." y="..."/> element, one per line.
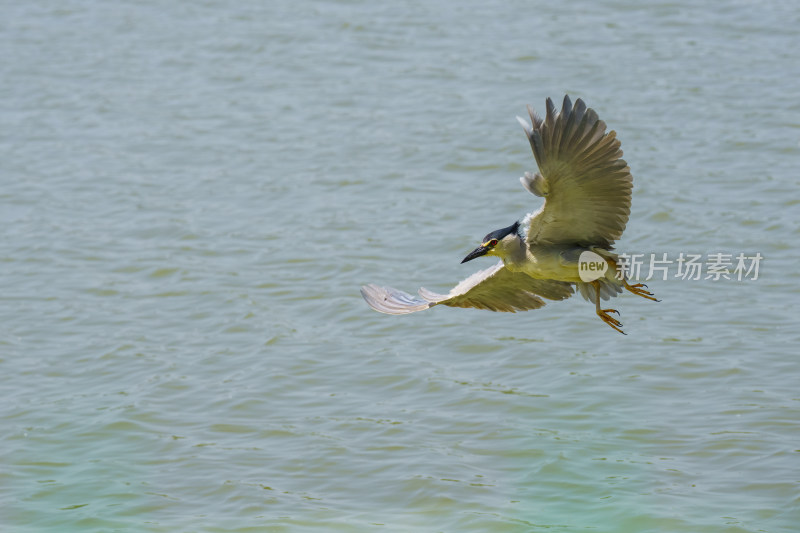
<point x="591" y="266"/>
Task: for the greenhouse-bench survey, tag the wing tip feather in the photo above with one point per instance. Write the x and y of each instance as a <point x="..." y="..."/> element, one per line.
<point x="391" y="301"/>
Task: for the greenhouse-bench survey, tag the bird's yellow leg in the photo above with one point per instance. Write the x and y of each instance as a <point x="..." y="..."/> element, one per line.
<point x="639" y="289"/>
<point x="603" y="313"/>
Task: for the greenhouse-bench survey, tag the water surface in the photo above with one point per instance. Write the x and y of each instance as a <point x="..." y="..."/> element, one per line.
<point x="192" y="194"/>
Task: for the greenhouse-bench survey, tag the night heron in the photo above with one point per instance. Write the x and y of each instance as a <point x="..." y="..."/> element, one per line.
<point x="586" y="186"/>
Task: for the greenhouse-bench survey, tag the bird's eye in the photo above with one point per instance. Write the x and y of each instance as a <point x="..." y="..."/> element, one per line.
<point x="493" y="242"/>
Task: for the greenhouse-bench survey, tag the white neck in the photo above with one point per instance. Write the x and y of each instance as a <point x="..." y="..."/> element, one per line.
<point x="511" y="250"/>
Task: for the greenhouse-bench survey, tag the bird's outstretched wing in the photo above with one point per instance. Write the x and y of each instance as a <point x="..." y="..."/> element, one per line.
<point x="495" y="289"/>
<point x="582" y="176"/>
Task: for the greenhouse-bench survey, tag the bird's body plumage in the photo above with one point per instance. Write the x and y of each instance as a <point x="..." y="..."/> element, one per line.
<point x="586" y="186"/>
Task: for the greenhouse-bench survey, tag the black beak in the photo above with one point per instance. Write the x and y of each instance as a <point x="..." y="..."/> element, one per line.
<point x="477" y="252"/>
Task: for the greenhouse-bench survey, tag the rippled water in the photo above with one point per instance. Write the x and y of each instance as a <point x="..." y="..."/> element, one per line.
<point x="192" y="194"/>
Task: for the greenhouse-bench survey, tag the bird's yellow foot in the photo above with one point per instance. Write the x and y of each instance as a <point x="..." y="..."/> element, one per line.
<point x="640" y="290"/>
<point x="610" y="320"/>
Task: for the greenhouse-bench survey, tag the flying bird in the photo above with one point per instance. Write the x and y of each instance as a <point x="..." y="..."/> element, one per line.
<point x="586" y="186"/>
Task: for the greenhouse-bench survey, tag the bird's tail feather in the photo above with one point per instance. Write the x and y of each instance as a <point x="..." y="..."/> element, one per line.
<point x="608" y="289"/>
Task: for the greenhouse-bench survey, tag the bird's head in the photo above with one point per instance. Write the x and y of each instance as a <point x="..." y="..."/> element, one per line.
<point x="499" y="242"/>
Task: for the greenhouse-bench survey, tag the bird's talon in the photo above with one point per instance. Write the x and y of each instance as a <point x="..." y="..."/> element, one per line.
<point x="611" y="321"/>
<point x="616" y="326"/>
<point x="639" y="291"/>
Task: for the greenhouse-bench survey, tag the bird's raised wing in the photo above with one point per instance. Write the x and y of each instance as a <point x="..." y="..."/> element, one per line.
<point x="495" y="289"/>
<point x="582" y="176"/>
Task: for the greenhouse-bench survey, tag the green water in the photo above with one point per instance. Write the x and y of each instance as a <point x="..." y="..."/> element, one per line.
<point x="192" y="194"/>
